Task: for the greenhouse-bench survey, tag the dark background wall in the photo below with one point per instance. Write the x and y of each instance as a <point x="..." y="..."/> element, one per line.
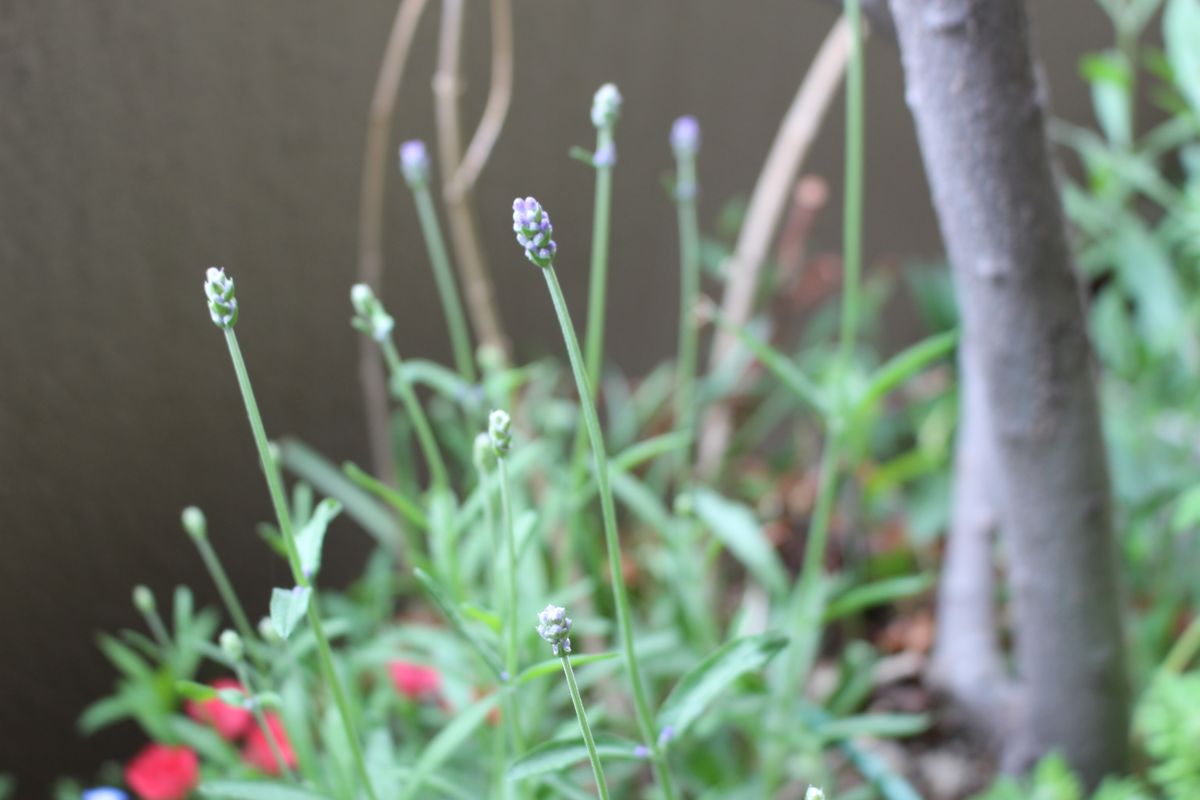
<point x="141" y="142"/>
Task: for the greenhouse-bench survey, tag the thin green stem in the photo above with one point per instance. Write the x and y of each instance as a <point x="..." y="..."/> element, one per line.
<point x="510" y="547"/>
<point x="276" y="750"/>
<point x="852" y="210"/>
<point x="456" y="321"/>
<point x="229" y="597"/>
<point x="598" y="280"/>
<point x="1184" y="649"/>
<point x="689" y="292"/>
<point x="275" y="488"/>
<point x="620" y="598"/>
<point x="412" y="406"/>
<point x="581" y="713"/>
<point x="159" y="630"/>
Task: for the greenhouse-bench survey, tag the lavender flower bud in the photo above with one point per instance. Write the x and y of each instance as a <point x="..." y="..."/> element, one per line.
<point x="666" y="735"/>
<point x="370" y="317"/>
<point x="414" y="163"/>
<point x="555" y="627"/>
<point x="641" y="751"/>
<point x="605" y="156"/>
<point x="814" y="793"/>
<point x="606" y="106"/>
<point x="222" y="302"/>
<point x="231" y="643"/>
<point x="143" y="599"/>
<point x="194" y="523"/>
<point x="484" y="455"/>
<point x="500" y="432"/>
<point x="685" y="136"/>
<point x="534" y="232"/>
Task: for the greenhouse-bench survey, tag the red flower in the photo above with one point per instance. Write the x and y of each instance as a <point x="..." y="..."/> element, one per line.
<point x="257" y="752"/>
<point x="414" y="680"/>
<point x="229" y="721"/>
<point x="163" y="772"/>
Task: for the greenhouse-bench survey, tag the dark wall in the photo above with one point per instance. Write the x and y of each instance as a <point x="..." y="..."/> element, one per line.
<point x="141" y="142"/>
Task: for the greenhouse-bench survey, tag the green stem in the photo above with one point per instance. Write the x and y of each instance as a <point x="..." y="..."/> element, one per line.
<point x="689" y="292"/>
<point x="1184" y="649"/>
<point x="852" y="209"/>
<point x="620" y="598"/>
<point x="511" y="661"/>
<point x="229" y="597"/>
<point x="597" y="770"/>
<point x="260" y="718"/>
<point x="456" y="321"/>
<point x="598" y="280"/>
<point x="429" y="446"/>
<point x="275" y="487"/>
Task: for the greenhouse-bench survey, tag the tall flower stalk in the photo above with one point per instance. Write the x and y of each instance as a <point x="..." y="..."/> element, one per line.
<point x="223" y="308"/>
<point x="235" y="651"/>
<point x="414" y="164"/>
<point x="555" y="627"/>
<point x="535" y="233"/>
<point x="685" y="142"/>
<point x="606" y="110"/>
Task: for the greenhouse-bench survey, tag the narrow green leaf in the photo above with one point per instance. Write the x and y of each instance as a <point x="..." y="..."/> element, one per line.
<point x="876" y="593"/>
<point x="877" y="725"/>
<point x="445" y="382"/>
<point x="102" y="713"/>
<point x="256" y="790"/>
<point x="552" y="666"/>
<point x="190" y="690"/>
<point x="360" y="506"/>
<point x="288" y="607"/>
<point x="560" y="754"/>
<point x="405" y="507"/>
<point x="902" y="366"/>
<point x="450" y="611"/>
<point x="126" y="660"/>
<point x="448" y="741"/>
<point x="779" y="364"/>
<point x="1181" y="31"/>
<point x="311" y="537"/>
<point x="739" y="530"/>
<point x="703" y="683"/>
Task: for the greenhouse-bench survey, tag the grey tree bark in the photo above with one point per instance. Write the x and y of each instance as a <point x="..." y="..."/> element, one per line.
<point x="971" y="90"/>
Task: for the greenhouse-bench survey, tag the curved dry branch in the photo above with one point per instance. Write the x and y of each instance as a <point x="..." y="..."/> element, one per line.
<point x="495" y="111"/>
<point x="370" y="225"/>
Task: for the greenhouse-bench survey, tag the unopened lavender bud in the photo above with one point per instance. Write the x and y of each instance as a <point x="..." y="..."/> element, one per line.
<point x="685" y="136"/>
<point x="641" y="751"/>
<point x="194" y="523"/>
<point x="606" y="106"/>
<point x="222" y="300"/>
<point x="414" y="163"/>
<point x="555" y="627"/>
<point x="143" y="599"/>
<point x="534" y="232"/>
<point x="500" y="432"/>
<point x="666" y="735"/>
<point x="814" y="793"/>
<point x="369" y="315"/>
<point x="266" y="629"/>
<point x="231" y="643"/>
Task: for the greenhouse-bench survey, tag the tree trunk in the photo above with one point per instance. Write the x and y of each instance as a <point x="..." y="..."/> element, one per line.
<point x="971" y="89"/>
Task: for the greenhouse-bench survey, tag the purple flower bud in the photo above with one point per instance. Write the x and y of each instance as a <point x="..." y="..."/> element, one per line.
<point x="666" y="735"/>
<point x="555" y="627"/>
<point x="534" y="232"/>
<point x="685" y="136"/>
<point x="414" y="163"/>
<point x="222" y="300"/>
<point x="641" y="751"/>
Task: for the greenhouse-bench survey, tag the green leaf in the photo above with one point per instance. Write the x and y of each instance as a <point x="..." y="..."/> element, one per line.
<point x="902" y="366"/>
<point x="360" y="506"/>
<point x="1181" y="32"/>
<point x="190" y="690"/>
<point x="877" y="725"/>
<point x="126" y="660"/>
<point x="876" y="593"/>
<point x="779" y="364"/>
<point x="704" y="682"/>
<point x="102" y="713"/>
<point x="450" y="611"/>
<point x="448" y="741"/>
<point x="1187" y="510"/>
<point x="311" y="537"/>
<point x="560" y="754"/>
<point x="256" y="790"/>
<point x="445" y="382"/>
<point x="739" y="530"/>
<point x="405" y="507"/>
<point x="288" y="607"/>
<point x="554" y="665"/>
